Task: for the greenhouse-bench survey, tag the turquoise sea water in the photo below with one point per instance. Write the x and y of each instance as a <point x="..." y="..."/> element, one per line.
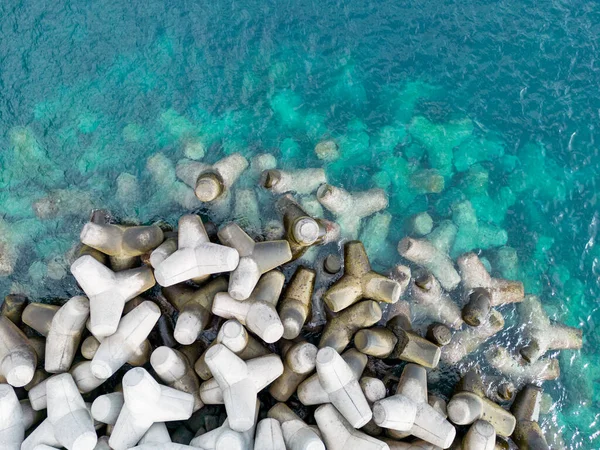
<point x="500" y="99"/>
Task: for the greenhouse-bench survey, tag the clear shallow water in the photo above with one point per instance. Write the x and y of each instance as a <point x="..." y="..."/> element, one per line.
<point x="90" y="91"/>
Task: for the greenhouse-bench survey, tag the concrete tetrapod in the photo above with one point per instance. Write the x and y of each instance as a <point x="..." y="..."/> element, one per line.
<point x="257" y="312"/>
<point x="234" y="336"/>
<point x="262" y="370"/>
<point x="146" y="402"/>
<point x="156" y="434"/>
<point x="516" y="367"/>
<point x="475" y="275"/>
<point x="339" y="330"/>
<point x="470" y="404"/>
<point x="68" y="414"/>
<point x="359" y="281"/>
<point x="296" y="433"/>
<point x="17" y="356"/>
<point x="115" y="350"/>
<point x="311" y="392"/>
<point x="350" y="208"/>
<point x="428" y="256"/>
<point x="216" y="180"/>
<point x="108" y="291"/>
<point x="295" y="305"/>
<point x="194" y="306"/>
<point x="303" y="231"/>
<point x="468" y="340"/>
<point x="431" y="302"/>
<point x="299" y="362"/>
<point x="122" y="243"/>
<point x="481" y="436"/>
<point x="256" y="258"/>
<point x="174" y="369"/>
<point x="409" y="411"/>
<point x="12" y="425"/>
<point x="301" y="181"/>
<point x="338" y="434"/>
<point x="269" y="435"/>
<point x="239" y="390"/>
<point x="65" y="334"/>
<point x="337" y="379"/>
<point x="543" y="335"/>
<point x="526" y="408"/>
<point x="225" y="438"/>
<point x="195" y="256"/>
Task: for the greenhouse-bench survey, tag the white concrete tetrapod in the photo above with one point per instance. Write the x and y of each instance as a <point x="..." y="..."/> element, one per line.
<point x="194" y="306"/>
<point x="258" y="312"/>
<point x="225" y="438"/>
<point x="429" y="301"/>
<point x="296" y="433"/>
<point x="466" y="341"/>
<point x="474" y="275"/>
<point x="299" y="362"/>
<point x="350" y="208"/>
<point x="196" y="256"/>
<point x="301" y="181"/>
<point x="413" y="445"/>
<point x="464" y="408"/>
<point x="164" y="250"/>
<point x="299" y="436"/>
<point x="163" y="446"/>
<point x="234" y="336"/>
<point x="116" y="350"/>
<point x="12" y="425"/>
<point x="337" y="379"/>
<point x="411" y="396"/>
<point x="108" y="291"/>
<point x="39" y="316"/>
<point x="543" y="335"/>
<point x="374" y="390"/>
<point x="120" y="240"/>
<point x="17" y="356"/>
<point x="481" y="436"/>
<point x="122" y="243"/>
<point x="338" y="434"/>
<point x="146" y="402"/>
<point x="85" y="380"/>
<point x="215" y="181"/>
<point x="269" y="435"/>
<point x="311" y="392"/>
<point x="174" y="369"/>
<point x="256" y="258"/>
<point x="156" y="434"/>
<point x="516" y="368"/>
<point x="68" y="414"/>
<point x="65" y="334"/>
<point x="30" y="416"/>
<point x="102" y="443"/>
<point x="262" y="370"/>
<point x="424" y="254"/>
<point x="106" y="408"/>
<point x="239" y="391"/>
<point x="43" y="434"/>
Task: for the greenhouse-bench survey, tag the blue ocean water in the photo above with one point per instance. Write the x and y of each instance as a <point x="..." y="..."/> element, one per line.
<point x="500" y="99"/>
